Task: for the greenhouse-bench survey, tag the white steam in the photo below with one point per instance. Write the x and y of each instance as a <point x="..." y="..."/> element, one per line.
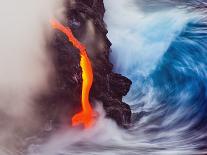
<point x="104" y="134"/>
<point x="25" y="65"/>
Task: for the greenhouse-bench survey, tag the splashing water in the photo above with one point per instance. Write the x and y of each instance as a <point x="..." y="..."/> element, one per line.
<point x="165" y="56"/>
<point x="86" y="117"/>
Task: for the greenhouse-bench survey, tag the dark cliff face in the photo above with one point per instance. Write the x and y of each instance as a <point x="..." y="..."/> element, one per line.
<point x="85" y="18"/>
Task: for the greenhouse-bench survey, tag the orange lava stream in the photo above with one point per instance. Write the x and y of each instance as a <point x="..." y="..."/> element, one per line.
<point x="87" y="115"/>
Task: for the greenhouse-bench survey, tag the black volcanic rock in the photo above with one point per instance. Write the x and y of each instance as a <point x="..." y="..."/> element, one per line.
<point x="108" y="87"/>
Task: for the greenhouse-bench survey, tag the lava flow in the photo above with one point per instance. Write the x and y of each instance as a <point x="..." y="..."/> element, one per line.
<point x="87" y="115"/>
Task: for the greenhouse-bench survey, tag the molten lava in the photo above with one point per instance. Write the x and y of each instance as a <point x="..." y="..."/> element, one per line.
<point x="86" y="116"/>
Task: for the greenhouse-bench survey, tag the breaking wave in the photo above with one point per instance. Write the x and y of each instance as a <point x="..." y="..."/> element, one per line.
<point x="164" y="53"/>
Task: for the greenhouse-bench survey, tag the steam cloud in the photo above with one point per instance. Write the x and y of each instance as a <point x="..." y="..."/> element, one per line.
<point x="25" y="65"/>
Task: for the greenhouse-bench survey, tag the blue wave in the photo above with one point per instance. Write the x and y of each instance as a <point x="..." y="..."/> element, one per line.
<point x="164" y="53"/>
<point x="180" y="78"/>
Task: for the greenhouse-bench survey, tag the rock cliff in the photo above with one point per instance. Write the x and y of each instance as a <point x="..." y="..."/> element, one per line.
<point x="85" y="18"/>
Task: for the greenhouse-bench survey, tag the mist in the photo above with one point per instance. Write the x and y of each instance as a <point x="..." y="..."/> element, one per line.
<point x="25" y="64"/>
<point x="142" y="35"/>
<point x="99" y="139"/>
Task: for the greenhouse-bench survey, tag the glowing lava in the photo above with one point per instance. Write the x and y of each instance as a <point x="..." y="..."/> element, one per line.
<point x="87" y="115"/>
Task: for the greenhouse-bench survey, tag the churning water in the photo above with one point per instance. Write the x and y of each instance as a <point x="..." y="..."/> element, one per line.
<point x="162" y="47"/>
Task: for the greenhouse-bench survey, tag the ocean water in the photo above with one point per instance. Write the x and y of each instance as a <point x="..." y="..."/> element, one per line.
<point x="162" y="47"/>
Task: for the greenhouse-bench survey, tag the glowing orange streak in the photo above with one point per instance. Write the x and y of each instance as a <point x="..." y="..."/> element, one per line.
<point x="86" y="116"/>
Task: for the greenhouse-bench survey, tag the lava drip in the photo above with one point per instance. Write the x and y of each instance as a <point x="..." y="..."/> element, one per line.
<point x="87" y="115"/>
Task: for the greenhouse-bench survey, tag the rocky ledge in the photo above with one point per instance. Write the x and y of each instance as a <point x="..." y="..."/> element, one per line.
<point x="85" y="18"/>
